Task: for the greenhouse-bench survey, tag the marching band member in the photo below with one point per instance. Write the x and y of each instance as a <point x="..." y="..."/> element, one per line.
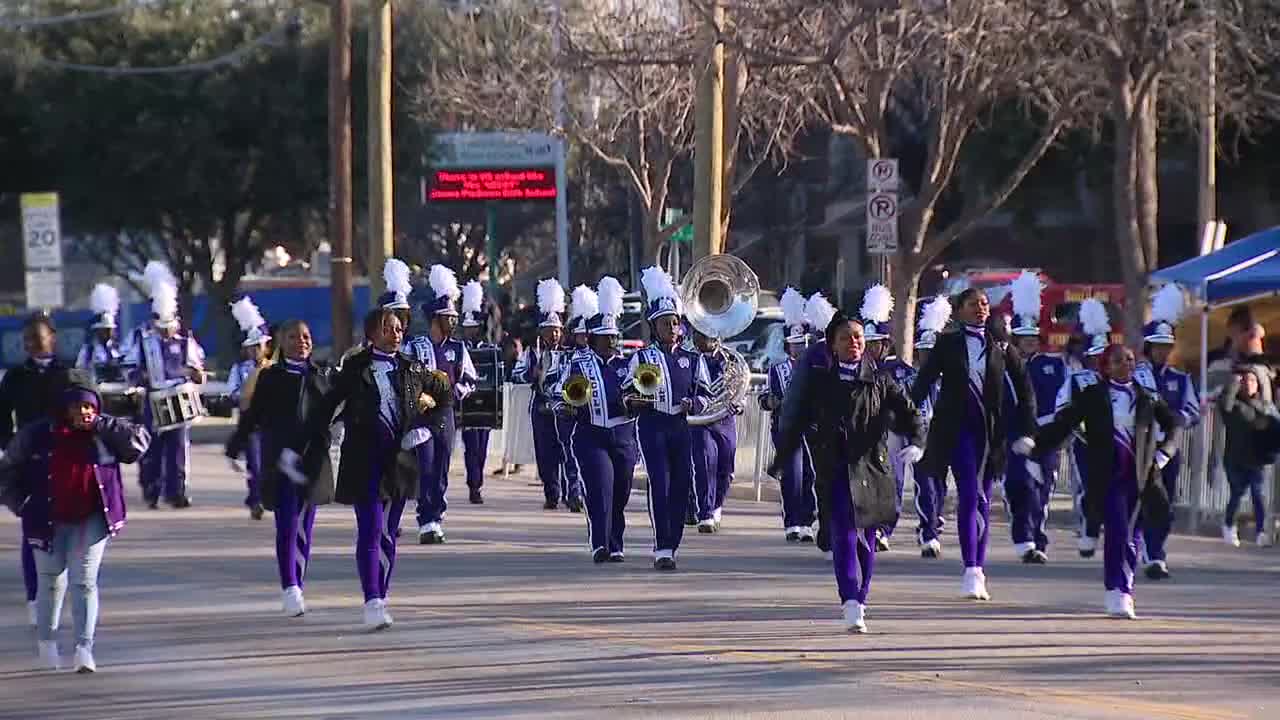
<point x="392" y="405"/>
<point x="395" y="273"/>
<point x="1097" y="329"/>
<point x="1029" y="483"/>
<point x="851" y="408"/>
<point x="253" y="358"/>
<point x="1120" y="419"/>
<point x="799" y="499"/>
<point x="158" y="360"/>
<point x="877" y="307"/>
<point x="284" y="393"/>
<point x="715" y="445"/>
<point x="26" y="393"/>
<point x="475" y="441"/>
<point x="1179" y="393"/>
<point x="930" y="490"/>
<point x="969" y="425"/>
<point x="603" y="444"/>
<point x="439" y="351"/>
<point x="540" y="366"/>
<point x="673" y="385"/>
<point x="101" y="356"/>
<point x="577" y="326"/>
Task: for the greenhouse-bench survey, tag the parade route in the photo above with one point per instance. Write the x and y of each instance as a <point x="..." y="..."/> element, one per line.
<point x="512" y="619"/>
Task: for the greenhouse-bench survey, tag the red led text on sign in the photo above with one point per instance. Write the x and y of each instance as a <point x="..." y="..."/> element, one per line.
<point x="525" y="184"/>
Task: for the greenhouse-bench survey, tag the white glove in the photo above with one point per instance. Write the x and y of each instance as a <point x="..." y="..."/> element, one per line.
<point x="289" y="465"/>
<point x="910" y="454"/>
<point x="1024" y="445"/>
<point x="237" y="465"/>
<point x="1162" y="459"/>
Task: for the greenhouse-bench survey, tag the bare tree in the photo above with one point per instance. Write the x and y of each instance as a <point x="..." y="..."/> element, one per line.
<point x="630" y="74"/>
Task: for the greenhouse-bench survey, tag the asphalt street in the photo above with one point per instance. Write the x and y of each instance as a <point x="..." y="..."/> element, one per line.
<point x="511" y="619"/>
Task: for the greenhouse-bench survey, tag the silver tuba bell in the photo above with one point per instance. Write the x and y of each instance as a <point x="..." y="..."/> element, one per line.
<point x="720" y="294"/>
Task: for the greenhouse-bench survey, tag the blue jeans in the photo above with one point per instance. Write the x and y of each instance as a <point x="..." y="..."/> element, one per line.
<point x="76" y="550"/>
<point x="1242" y="480"/>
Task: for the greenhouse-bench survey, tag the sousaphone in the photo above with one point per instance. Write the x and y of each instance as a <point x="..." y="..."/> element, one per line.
<point x="720" y="295"/>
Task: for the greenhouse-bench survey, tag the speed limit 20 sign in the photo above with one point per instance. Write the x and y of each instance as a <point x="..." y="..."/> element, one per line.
<point x="42" y="250"/>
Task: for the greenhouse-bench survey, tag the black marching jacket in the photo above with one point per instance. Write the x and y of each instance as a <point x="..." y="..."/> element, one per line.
<point x="354" y="399"/>
<point x="1092" y="406"/>
<point x="950" y="361"/>
<point x="849" y="420"/>
<point x="27" y="394"/>
<point x="282" y="400"/>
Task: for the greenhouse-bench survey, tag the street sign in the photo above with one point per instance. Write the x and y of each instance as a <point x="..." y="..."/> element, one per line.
<point x="42" y="250"/>
<point x="882" y="223"/>
<point x="683" y="235"/>
<point x="882" y="175"/>
<point x="492" y="150"/>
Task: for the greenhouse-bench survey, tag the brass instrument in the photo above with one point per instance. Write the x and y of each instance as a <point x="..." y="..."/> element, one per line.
<point x="720" y="295"/>
<point x="576" y="391"/>
<point x="648" y="379"/>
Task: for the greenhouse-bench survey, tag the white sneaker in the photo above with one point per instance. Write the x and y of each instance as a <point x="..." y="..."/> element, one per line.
<point x="1230" y="536"/>
<point x="33" y="613"/>
<point x="975" y="584"/>
<point x="1111" y="603"/>
<point x="806" y="532"/>
<point x="715" y="514"/>
<point x="48" y="650"/>
<point x="931" y="549"/>
<point x="1127" y="608"/>
<point x="84" y="660"/>
<point x="1263" y="540"/>
<point x="375" y="615"/>
<point x="1087" y="546"/>
<point x="294" y="605"/>
<point x="1021" y="549"/>
<point x="855" y="614"/>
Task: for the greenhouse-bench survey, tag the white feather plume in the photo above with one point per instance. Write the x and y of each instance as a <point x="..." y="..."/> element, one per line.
<point x="585" y="302"/>
<point x="610" y="292"/>
<point x="1093" y="317"/>
<point x="792" y="307"/>
<point x="1025" y="290"/>
<point x="396" y="274"/>
<point x="877" y="304"/>
<point x="657" y="284"/>
<point x="472" y="297"/>
<point x="443" y="282"/>
<point x="936" y="314"/>
<point x="1167" y="304"/>
<point x="164" y="300"/>
<point x="156" y="274"/>
<point x="550" y="296"/>
<point x="246" y="314"/>
<point x="818" y="312"/>
<point x="104" y="299"/>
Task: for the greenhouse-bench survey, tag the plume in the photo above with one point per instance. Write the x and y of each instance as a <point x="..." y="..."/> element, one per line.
<point x="550" y="296"/>
<point x="164" y="300"/>
<point x="443" y="282"/>
<point x="936" y="314"/>
<point x="1167" y="304"/>
<point x="818" y="311"/>
<point x="877" y="304"/>
<point x="246" y="314"/>
<point x="792" y="307"/>
<point x="104" y="299"/>
<point x="611" y="293"/>
<point x="1025" y="290"/>
<point x="472" y="296"/>
<point x="657" y="284"/>
<point x="1093" y="317"/>
<point x="396" y="273"/>
<point x="585" y="302"/>
<point x="155" y="274"/>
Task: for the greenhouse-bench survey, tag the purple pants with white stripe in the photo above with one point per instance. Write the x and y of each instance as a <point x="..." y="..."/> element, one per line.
<point x="475" y="448"/>
<point x="973" y="497"/>
<point x="853" y="550"/>
<point x="1028" y="497"/>
<point x="665" y="443"/>
<point x="715" y="448"/>
<point x="295" y="520"/>
<point x="799" y="500"/>
<point x="378" y="525"/>
<point x="28" y="569"/>
<point x="1120" y="525"/>
<point x="605" y="459"/>
<point x="253" y="463"/>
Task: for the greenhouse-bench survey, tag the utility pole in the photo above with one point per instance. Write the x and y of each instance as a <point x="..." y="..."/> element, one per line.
<point x="562" y="150"/>
<point x="708" y="156"/>
<point x="340" y="173"/>
<point x="1208" y="156"/>
<point x="381" y="226"/>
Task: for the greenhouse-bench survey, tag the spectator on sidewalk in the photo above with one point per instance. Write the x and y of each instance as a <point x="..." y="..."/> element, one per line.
<point x="1246" y="456"/>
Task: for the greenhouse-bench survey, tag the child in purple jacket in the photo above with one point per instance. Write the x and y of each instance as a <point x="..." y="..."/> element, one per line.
<point x="62" y="477"/>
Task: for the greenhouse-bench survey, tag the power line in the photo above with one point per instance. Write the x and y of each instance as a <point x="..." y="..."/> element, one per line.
<point x="75" y="16"/>
<point x="229" y="58"/>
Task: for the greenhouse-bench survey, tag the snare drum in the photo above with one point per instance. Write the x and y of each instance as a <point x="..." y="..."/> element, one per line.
<point x="175" y="407"/>
<point x="120" y="399"/>
<point x="482" y="409"/>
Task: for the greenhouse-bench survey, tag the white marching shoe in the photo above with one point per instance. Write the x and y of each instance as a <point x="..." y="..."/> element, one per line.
<point x="48" y="651"/>
<point x="1087" y="546"/>
<point x="855" y="614"/>
<point x="975" y="584"/>
<point x="1263" y="540"/>
<point x="33" y="613"/>
<point x="84" y="660"/>
<point x="294" y="604"/>
<point x="376" y="616"/>
<point x="1120" y="605"/>
<point x="1230" y="536"/>
<point x="931" y="549"/>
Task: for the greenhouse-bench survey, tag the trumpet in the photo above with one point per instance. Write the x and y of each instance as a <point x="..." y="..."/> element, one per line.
<point x="576" y="391"/>
<point x="648" y="378"/>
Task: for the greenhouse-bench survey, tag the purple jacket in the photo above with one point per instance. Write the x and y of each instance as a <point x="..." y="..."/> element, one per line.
<point x="24" y="474"/>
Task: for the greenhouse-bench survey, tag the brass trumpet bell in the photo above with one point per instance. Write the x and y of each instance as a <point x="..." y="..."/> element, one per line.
<point x="648" y="378"/>
<point x="576" y="391"/>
